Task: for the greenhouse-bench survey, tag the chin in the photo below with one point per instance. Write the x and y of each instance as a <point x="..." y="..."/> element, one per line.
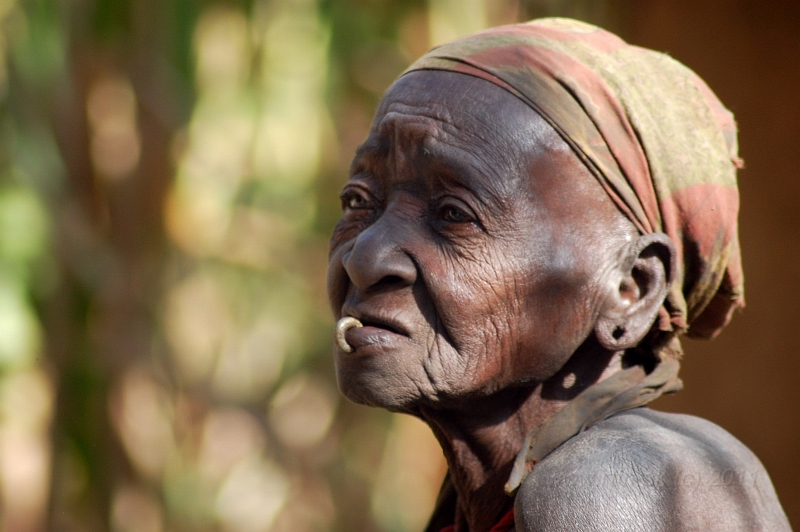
<point x="372" y="387"/>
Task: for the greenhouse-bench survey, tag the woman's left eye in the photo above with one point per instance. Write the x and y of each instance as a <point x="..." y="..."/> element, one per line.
<point x="453" y="214"/>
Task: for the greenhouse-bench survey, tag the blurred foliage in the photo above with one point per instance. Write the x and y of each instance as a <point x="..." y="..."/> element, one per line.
<point x="169" y="174"/>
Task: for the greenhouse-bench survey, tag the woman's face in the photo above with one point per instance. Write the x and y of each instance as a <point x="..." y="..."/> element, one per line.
<point x="473" y="247"/>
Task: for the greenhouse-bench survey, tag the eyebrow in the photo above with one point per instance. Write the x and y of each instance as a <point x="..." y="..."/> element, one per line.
<point x="449" y="165"/>
<point x="370" y="147"/>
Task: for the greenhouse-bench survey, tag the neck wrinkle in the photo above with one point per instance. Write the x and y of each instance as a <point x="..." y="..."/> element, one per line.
<point x="480" y="446"/>
<point x="481" y="440"/>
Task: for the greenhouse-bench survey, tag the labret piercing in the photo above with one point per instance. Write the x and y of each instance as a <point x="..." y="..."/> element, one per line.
<point x="342" y="326"/>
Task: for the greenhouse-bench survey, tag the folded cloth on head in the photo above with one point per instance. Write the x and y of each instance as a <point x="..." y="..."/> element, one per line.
<point x="651" y="131"/>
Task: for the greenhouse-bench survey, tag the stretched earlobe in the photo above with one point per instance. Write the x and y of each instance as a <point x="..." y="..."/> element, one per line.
<point x="645" y="273"/>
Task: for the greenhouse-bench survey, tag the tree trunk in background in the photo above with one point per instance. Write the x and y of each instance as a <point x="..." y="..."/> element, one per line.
<point x="108" y="231"/>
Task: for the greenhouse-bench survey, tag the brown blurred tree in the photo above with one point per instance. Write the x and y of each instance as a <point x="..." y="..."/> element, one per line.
<point x="169" y="175"/>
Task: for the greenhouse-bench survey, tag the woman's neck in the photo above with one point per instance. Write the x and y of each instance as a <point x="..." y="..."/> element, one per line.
<point x="481" y="439"/>
<point x="480" y="444"/>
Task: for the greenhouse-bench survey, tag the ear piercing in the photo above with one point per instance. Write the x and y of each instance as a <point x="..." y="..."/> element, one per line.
<point x="342" y="326"/>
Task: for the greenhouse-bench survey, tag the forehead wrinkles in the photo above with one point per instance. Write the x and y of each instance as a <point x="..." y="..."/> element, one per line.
<point x="463" y="138"/>
<point x="406" y="125"/>
<point x="434" y="119"/>
<point x="401" y="136"/>
<point x="426" y="124"/>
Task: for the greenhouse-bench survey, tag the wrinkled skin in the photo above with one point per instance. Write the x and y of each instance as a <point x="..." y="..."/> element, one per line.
<point x="447" y="242"/>
<point x="494" y="277"/>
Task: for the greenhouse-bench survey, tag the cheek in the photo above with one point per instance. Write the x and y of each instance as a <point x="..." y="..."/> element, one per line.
<point x="336" y="280"/>
<point x="478" y="305"/>
<point x="516" y="319"/>
<point x="555" y="320"/>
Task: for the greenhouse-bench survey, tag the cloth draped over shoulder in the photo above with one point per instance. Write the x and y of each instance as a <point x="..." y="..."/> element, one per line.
<point x="651" y="131"/>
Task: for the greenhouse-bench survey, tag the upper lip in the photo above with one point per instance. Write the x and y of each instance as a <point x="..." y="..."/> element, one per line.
<point x="375" y="320"/>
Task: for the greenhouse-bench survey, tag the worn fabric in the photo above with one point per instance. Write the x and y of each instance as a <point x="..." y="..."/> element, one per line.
<point x="650" y="130"/>
<point x="629" y="388"/>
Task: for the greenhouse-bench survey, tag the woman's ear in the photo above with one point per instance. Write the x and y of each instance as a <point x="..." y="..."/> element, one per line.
<point x="644" y="272"/>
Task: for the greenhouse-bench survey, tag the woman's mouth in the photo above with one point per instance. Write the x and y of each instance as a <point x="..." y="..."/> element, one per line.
<point x="342" y="326"/>
<point x="361" y="330"/>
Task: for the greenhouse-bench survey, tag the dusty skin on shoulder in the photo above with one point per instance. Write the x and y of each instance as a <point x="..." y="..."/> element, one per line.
<point x="647" y="470"/>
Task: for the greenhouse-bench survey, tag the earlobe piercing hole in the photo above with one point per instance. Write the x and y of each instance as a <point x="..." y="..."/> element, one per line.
<point x="618" y="332"/>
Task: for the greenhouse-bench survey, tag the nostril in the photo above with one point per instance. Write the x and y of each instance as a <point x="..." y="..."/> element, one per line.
<point x="377" y="260"/>
<point x="388" y="282"/>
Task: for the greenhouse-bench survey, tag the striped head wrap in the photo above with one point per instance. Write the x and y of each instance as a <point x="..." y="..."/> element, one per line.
<point x="650" y="130"/>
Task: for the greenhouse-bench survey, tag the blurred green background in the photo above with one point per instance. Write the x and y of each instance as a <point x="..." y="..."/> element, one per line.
<point x="169" y="173"/>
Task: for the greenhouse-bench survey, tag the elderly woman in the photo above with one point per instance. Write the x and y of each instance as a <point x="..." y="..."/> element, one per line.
<point x="538" y="213"/>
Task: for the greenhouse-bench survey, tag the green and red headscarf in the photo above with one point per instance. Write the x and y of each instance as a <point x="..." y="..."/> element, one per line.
<point x="651" y="131"/>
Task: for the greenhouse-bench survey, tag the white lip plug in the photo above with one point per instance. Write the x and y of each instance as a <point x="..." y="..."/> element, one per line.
<point x="342" y="326"/>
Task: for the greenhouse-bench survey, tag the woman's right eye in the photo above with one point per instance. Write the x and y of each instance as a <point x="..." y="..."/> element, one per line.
<point x="354" y="200"/>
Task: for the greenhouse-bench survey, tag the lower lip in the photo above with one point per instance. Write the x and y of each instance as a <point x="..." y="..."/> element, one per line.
<point x="365" y="338"/>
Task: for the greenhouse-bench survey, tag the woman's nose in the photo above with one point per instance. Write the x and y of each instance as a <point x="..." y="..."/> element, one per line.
<point x="377" y="259"/>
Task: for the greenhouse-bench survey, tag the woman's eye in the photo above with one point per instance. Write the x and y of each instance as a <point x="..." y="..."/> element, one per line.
<point x="354" y="201"/>
<point x="452" y="214"/>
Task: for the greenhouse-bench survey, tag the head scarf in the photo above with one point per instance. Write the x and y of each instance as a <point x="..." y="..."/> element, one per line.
<point x="651" y="131"/>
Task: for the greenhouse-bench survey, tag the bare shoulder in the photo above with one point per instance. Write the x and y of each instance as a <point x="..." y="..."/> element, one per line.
<point x="647" y="470"/>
